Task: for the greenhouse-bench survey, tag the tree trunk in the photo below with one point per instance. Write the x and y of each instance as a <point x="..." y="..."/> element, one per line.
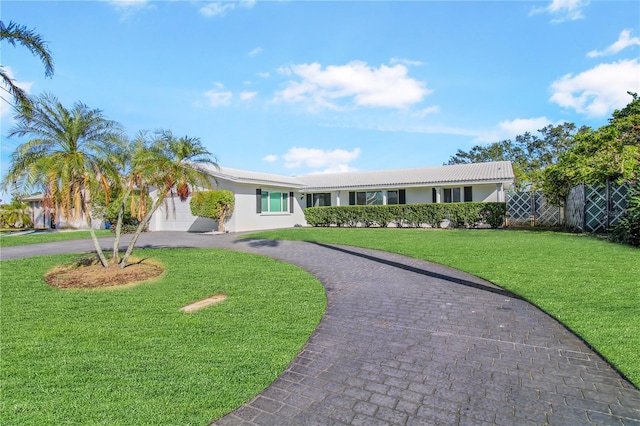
<point x="118" y="231"/>
<point x="141" y="226"/>
<point x="94" y="238"/>
<point x="221" y="217"/>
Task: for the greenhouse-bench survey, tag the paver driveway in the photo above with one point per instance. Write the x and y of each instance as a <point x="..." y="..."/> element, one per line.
<point x="405" y="341"/>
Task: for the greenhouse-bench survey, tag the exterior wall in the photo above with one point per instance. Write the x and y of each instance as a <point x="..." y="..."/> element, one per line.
<point x="423" y="195"/>
<point x="179" y="218"/>
<point x="244" y="217"/>
<point x="38" y="217"/>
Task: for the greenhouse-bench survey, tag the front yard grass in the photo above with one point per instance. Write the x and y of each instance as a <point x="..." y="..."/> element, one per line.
<point x="49" y="237"/>
<point x="129" y="356"/>
<point x="590" y="285"/>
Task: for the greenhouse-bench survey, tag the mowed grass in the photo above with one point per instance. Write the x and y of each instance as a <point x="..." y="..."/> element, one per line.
<point x="129" y="356"/>
<point x="590" y="285"/>
<point x="49" y="237"/>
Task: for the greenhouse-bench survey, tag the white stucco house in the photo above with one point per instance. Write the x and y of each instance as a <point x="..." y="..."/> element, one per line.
<point x="268" y="201"/>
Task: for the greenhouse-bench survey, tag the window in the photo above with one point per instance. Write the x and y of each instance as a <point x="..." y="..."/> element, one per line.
<point x="319" y="200"/>
<point x="369" y="198"/>
<point x="274" y="202"/>
<point x="468" y="194"/>
<point x="452" y="195"/>
<point x="446" y="192"/>
<point x="397" y="197"/>
<point x="456" y="195"/>
<point x="434" y="195"/>
<point x="392" y="197"/>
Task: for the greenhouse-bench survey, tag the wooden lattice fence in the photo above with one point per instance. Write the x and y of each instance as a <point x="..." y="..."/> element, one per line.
<point x="591" y="208"/>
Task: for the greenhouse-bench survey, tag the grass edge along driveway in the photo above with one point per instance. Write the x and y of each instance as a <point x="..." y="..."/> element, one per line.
<point x="590" y="285"/>
<point x="48" y="237"/>
<point x="129" y="356"/>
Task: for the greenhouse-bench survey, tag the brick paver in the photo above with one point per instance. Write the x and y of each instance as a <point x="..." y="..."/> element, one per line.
<point x="408" y="342"/>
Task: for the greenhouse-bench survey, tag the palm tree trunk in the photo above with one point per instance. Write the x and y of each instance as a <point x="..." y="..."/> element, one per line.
<point x="115" y="258"/>
<point x="141" y="226"/>
<point x="118" y="231"/>
<point x="94" y="238"/>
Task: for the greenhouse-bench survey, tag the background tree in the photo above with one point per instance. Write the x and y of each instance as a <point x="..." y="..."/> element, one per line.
<point x="65" y="157"/>
<point x="529" y="154"/>
<point x="172" y="166"/>
<point x="12" y="34"/>
<point x="218" y="205"/>
<point x="610" y="153"/>
<point x="15" y="214"/>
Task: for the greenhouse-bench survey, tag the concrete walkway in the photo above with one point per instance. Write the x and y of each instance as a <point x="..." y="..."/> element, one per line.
<point x="409" y="342"/>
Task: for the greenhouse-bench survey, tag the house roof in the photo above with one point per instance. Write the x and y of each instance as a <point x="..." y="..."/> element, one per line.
<point x="493" y="172"/>
<point x="34" y="197"/>
<point x="245" y="176"/>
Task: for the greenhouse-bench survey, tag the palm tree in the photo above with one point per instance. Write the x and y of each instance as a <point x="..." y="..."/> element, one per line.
<point x="172" y="166"/>
<point x="65" y="157"/>
<point x="15" y="215"/>
<point x="130" y="189"/>
<point x="14" y="33"/>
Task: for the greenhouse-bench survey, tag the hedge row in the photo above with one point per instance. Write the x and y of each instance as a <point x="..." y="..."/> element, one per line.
<point x="468" y="215"/>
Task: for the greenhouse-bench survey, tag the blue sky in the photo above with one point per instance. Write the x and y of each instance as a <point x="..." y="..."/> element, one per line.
<point x="303" y="87"/>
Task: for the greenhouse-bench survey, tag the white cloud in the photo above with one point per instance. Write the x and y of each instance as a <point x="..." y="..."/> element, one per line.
<point x="563" y="10"/>
<point x="600" y="90"/>
<point x="6" y="107"/>
<point x="511" y="129"/>
<point x="426" y="111"/>
<point x="219" y="96"/>
<point x="128" y="7"/>
<point x="216" y="9"/>
<point x="356" y="81"/>
<point x="220" y="8"/>
<point x="271" y="158"/>
<point x="403" y="61"/>
<point x="622" y="43"/>
<point x="246" y="96"/>
<point x="263" y="74"/>
<point x="255" y="52"/>
<point x="335" y="160"/>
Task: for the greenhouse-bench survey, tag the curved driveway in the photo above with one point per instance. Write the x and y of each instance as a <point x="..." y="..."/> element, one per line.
<point x="405" y="341"/>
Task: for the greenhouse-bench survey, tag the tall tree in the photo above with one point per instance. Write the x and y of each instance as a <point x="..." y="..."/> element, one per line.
<point x="172" y="166"/>
<point x="64" y="157"/>
<point x="20" y="34"/>
<point x="528" y="153"/>
<point x="612" y="152"/>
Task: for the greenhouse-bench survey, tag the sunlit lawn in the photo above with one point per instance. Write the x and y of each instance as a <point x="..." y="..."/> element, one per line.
<point x="48" y="237"/>
<point x="590" y="285"/>
<point x="129" y="356"/>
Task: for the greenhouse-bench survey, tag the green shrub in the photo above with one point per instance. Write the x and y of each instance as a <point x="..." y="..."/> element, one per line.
<point x="468" y="215"/>
<point x="217" y="205"/>
<point x="627" y="229"/>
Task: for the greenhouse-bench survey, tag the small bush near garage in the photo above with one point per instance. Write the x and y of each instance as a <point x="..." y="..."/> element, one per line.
<point x="464" y="215"/>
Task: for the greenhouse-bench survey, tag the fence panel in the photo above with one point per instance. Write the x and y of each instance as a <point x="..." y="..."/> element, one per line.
<point x="531" y="208"/>
<point x="592" y="208"/>
<point x="604" y="204"/>
<point x="574" y="208"/>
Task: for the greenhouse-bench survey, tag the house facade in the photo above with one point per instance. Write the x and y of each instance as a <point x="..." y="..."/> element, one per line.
<point x="267" y="201"/>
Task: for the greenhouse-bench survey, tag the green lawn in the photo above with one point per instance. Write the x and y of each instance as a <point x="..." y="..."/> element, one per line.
<point x="129" y="356"/>
<point x="590" y="285"/>
<point x="48" y="237"/>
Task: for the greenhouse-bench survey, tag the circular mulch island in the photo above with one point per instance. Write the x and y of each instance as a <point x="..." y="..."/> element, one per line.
<point x="89" y="274"/>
